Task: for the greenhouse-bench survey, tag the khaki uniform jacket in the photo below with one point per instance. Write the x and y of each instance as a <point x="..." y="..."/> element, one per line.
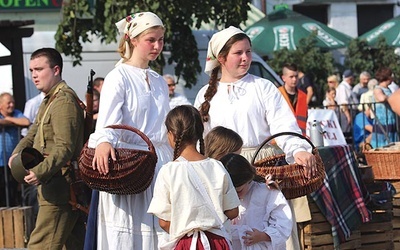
<point x="63" y="127"/>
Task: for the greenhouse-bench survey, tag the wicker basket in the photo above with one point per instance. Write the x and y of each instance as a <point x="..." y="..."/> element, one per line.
<point x="291" y="176"/>
<point x="131" y="173"/>
<point x="384" y="162"/>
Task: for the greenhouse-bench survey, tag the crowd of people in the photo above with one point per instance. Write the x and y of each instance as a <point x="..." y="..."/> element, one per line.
<point x="205" y="194"/>
<point x="363" y="109"/>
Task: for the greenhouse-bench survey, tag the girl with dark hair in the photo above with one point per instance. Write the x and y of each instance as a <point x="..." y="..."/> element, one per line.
<point x="193" y="195"/>
<point x="252" y="107"/>
<point x="265" y="218"/>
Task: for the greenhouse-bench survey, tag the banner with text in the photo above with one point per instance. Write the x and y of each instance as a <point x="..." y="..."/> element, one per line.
<point x="23" y="5"/>
<point x="333" y="132"/>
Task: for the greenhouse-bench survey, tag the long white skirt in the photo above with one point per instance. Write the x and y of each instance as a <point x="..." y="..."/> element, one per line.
<point x="123" y="221"/>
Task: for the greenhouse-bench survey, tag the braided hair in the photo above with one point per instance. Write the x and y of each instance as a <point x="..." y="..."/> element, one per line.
<point x="212" y="83"/>
<point x="184" y="122"/>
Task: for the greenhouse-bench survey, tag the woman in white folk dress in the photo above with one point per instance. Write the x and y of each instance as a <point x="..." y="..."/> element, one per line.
<point x="137" y="96"/>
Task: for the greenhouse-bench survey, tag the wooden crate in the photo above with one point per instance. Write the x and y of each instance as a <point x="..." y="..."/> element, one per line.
<point x="378" y="233"/>
<point x="1" y="228"/>
<point x="317" y="234"/>
<point x="16" y="225"/>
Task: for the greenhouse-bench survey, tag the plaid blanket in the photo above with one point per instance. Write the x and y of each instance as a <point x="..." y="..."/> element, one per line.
<point x="343" y="196"/>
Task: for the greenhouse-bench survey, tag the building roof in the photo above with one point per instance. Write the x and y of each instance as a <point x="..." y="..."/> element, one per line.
<point x="18" y="23"/>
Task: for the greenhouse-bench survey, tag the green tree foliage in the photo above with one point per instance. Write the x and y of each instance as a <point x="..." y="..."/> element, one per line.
<point x="179" y="16"/>
<point x="359" y="57"/>
<point x="311" y="60"/>
<point x="362" y="57"/>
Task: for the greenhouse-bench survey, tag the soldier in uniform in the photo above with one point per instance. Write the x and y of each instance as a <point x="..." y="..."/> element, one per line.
<point x="58" y="134"/>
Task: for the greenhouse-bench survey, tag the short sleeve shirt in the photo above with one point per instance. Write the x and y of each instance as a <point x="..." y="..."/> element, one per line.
<point x="11" y="136"/>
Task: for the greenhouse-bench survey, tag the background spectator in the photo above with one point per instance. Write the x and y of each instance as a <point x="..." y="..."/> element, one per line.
<point x="362" y="86"/>
<point x="368" y="97"/>
<point x="98" y="83"/>
<point x="329" y="101"/>
<point x="305" y="84"/>
<point x="175" y="99"/>
<point x="96" y="105"/>
<point x="362" y="129"/>
<point x="346" y="99"/>
<point x="385" y="120"/>
<point x="10" y="121"/>
<point x="31" y="109"/>
<point x="295" y="97"/>
<point x="332" y="81"/>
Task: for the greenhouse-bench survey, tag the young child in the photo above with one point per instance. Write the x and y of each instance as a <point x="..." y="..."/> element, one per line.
<point x="193" y="195"/>
<point x="220" y="141"/>
<point x="265" y="218"/>
<point x="329" y="101"/>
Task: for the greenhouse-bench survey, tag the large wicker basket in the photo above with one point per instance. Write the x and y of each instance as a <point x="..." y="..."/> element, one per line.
<point x="132" y="173"/>
<point x="384" y="161"/>
<point x="291" y="176"/>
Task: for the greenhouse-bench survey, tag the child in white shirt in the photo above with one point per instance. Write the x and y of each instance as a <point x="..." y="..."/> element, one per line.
<point x="193" y="195"/>
<point x="265" y="218"/>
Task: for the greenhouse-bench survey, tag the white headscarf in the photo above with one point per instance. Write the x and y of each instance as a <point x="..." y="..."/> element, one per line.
<point x="217" y="42"/>
<point x="136" y="23"/>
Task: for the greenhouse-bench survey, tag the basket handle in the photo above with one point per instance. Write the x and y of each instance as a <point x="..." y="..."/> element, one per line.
<point x="277" y="135"/>
<point x="367" y="146"/>
<point x="137" y="131"/>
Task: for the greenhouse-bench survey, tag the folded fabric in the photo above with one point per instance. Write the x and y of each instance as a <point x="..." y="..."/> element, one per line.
<point x="342" y="198"/>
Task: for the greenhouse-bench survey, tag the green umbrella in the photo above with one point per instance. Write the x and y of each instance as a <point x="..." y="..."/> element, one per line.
<point x="390" y="30"/>
<point x="284" y="28"/>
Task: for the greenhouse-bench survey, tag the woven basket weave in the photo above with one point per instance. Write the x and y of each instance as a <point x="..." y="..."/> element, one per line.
<point x="131" y="173"/>
<point x="291" y="176"/>
<point x="384" y="161"/>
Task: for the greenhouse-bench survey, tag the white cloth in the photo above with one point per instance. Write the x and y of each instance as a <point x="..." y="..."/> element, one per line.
<point x="134" y="24"/>
<point x="215" y="45"/>
<point x="177" y="200"/>
<point x="293" y="243"/>
<point x="367" y="97"/>
<point x="267" y="211"/>
<point x="345" y="95"/>
<point x="123" y="221"/>
<point x="393" y="87"/>
<point x="178" y="99"/>
<point x="255" y="110"/>
<point x="129" y="99"/>
<point x="31" y="109"/>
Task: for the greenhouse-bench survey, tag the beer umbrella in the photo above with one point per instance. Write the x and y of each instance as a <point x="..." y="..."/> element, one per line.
<point x="285" y="28"/>
<point x="390" y="30"/>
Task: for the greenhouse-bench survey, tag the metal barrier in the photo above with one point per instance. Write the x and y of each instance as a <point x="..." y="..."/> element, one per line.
<point x="378" y="124"/>
<point x="6" y="170"/>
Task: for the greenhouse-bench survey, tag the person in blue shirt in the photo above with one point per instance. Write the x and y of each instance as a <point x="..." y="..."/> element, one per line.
<point x="10" y="120"/>
<point x="385" y="130"/>
<point x="362" y="128"/>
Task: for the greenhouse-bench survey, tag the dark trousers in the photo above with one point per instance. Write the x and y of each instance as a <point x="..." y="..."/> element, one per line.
<point x="12" y="192"/>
